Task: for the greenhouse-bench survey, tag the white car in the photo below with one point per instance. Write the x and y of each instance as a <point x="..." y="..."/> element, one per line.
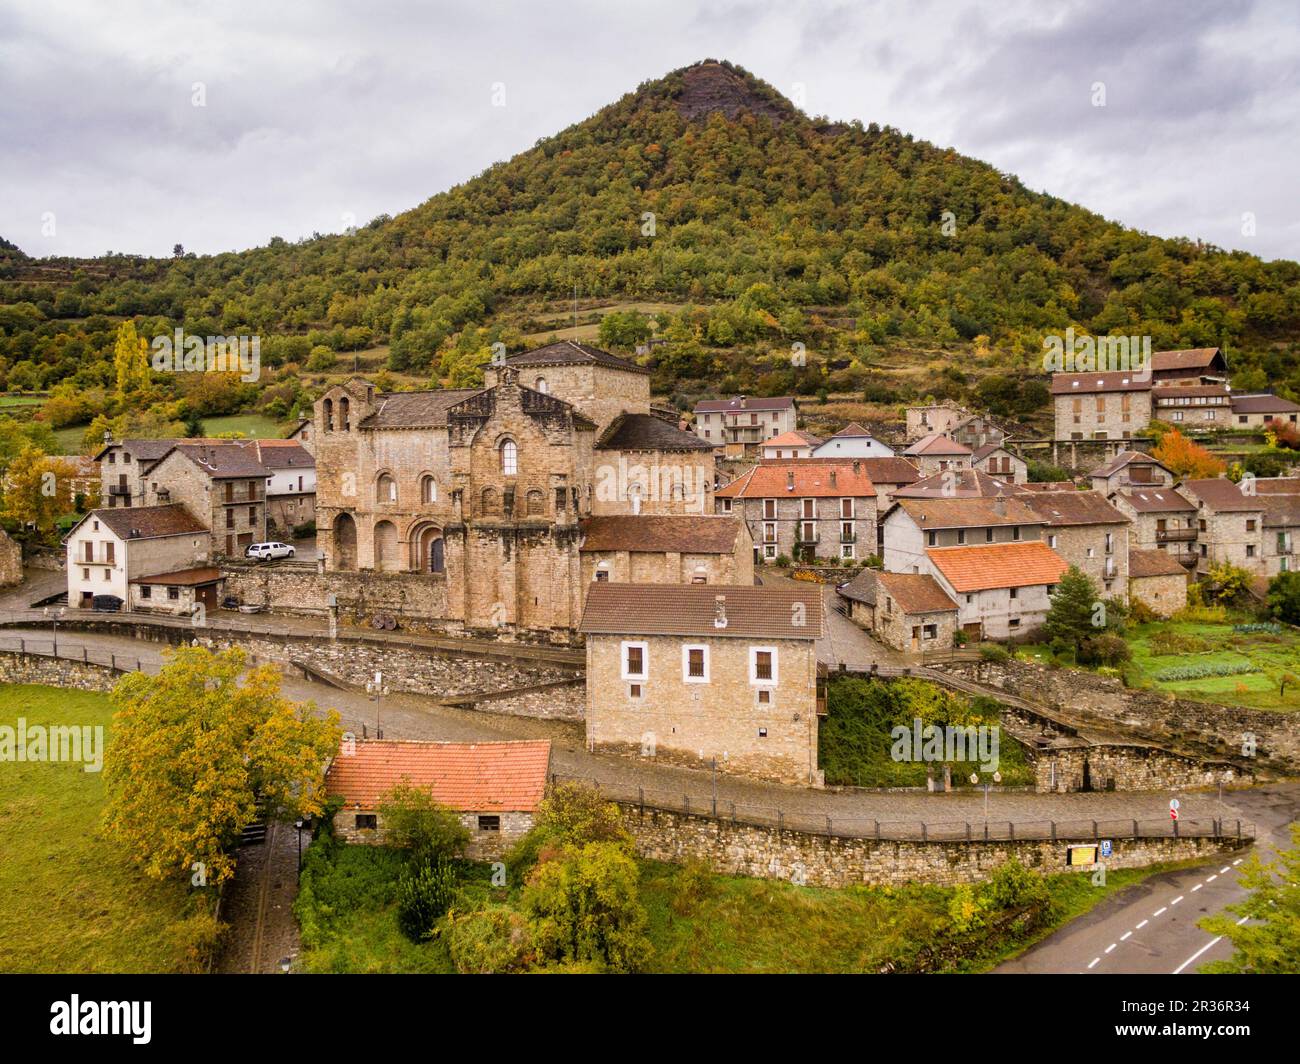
<point x="267" y="551"/>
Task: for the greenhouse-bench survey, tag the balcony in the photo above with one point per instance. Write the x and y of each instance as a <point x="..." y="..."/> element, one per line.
<point x="1175" y="535"/>
<point x="848" y="537"/>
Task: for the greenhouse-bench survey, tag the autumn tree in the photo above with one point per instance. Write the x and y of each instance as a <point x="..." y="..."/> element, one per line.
<point x="130" y="360"/>
<point x="37" y="492"/>
<point x="1185" y="458"/>
<point x="195" y="748"/>
<point x="1269" y="942"/>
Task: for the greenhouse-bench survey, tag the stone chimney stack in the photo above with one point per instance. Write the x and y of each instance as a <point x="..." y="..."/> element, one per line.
<point x="720" y="611"/>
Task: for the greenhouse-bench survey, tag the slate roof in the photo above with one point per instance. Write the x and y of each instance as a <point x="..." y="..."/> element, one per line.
<point x="1263" y="404"/>
<point x="1153" y="563"/>
<point x="573" y="353"/>
<point x="645" y="432"/>
<point x="958" y="484"/>
<point x="1222" y="496"/>
<point x="971" y="512"/>
<point x="1086" y="383"/>
<point x="1156" y="500"/>
<point x="937" y="444"/>
<point x="770" y="479"/>
<point x="743" y="402"/>
<point x="468" y="777"/>
<point x="997" y="565"/>
<point x="684" y="534"/>
<point x="415" y="410"/>
<point x="147" y="522"/>
<point x="913" y="592"/>
<point x="1061" y="508"/>
<point x="689" y="610"/>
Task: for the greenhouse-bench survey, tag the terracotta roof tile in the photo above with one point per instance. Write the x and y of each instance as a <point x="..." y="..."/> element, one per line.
<point x="468" y="777"/>
<point x="995" y="565"/>
<point x="913" y="592"/>
<point x="793" y="438"/>
<point x="690" y="610"/>
<point x="936" y="444"/>
<point x="685" y="534"/>
<point x="801" y="478"/>
<point x="183" y="577"/>
<point x="148" y="522"/>
<point x="976" y="512"/>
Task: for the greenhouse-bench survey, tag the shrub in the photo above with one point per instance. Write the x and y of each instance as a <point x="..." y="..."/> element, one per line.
<point x="1197" y="614"/>
<point x="1104" y="650"/>
<point x="305" y="530"/>
<point x="782" y="561"/>
<point x="489" y="941"/>
<point x="576" y="814"/>
<point x="994" y="652"/>
<point x="694" y="883"/>
<point x="1167" y="641"/>
<point x="1206" y="669"/>
<point x="1140" y="613"/>
<point x="423" y="894"/>
<point x="197" y="937"/>
<point x="414" y="821"/>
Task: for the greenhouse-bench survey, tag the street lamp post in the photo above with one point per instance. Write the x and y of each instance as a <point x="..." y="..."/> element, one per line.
<point x="54" y="616"/>
<point x="298" y="825"/>
<point x="997" y="778"/>
<point x="378" y="688"/>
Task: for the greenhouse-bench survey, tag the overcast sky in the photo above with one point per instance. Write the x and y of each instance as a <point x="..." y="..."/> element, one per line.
<point x="324" y="114"/>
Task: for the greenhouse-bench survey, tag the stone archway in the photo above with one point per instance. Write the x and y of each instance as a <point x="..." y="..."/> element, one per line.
<point x="345" y="542"/>
<point x="427" y="549"/>
<point x="387" y="556"/>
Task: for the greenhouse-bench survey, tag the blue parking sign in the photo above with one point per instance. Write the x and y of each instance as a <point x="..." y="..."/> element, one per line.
<point x="1105" y="847"/>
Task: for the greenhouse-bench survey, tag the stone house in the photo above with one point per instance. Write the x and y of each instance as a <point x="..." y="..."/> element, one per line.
<point x="1162" y="520"/>
<point x="1201" y="365"/>
<point x="913" y="526"/>
<point x="110" y="547"/>
<point x="852" y="441"/>
<point x="1157" y="579"/>
<point x="935" y="454"/>
<point x="1130" y="470"/>
<point x="1257" y="410"/>
<point x="739" y="425"/>
<point x="933" y="418"/>
<point x="906" y="611"/>
<point x="1088" y="532"/>
<point x="1195" y="407"/>
<point x="11" y="561"/>
<point x="644" y="464"/>
<point x="888" y="475"/>
<point x="87" y="480"/>
<point x="794" y="444"/>
<point x="1229" y="525"/>
<point x="494" y="788"/>
<point x="959" y="484"/>
<point x="224" y="486"/>
<point x="805" y="508"/>
<point x="656" y="549"/>
<point x="1002" y="590"/>
<point x="305" y="435"/>
<point x="978" y="430"/>
<point x="997" y="461"/>
<point x="1281" y="533"/>
<point x="1101" y="406"/>
<point x="290" y="485"/>
<point x="177" y="593"/>
<point x="123" y="468"/>
<point x="706" y="675"/>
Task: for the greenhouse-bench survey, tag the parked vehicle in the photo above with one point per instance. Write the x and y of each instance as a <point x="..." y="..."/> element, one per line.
<point x="250" y="607"/>
<point x="268" y="551"/>
<point x="106" y="604"/>
<point x="230" y="603"/>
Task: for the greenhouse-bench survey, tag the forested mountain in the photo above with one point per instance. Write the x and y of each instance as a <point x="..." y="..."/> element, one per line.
<point x="750" y="225"/>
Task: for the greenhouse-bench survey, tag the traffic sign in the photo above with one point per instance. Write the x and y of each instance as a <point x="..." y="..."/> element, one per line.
<point x="1173" y="814"/>
<point x="1105" y="847"/>
<point x="1173" y="803"/>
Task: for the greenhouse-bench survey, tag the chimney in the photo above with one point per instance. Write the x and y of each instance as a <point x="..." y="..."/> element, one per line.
<point x="857" y="467"/>
<point x="1000" y="505"/>
<point x="789" y="480"/>
<point x="719" y="611"/>
<point x="832" y="478"/>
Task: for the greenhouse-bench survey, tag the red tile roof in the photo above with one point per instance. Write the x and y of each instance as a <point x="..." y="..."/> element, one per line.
<point x="937" y="444"/>
<point x="793" y="438"/>
<point x="995" y="565"/>
<point x="1188" y="358"/>
<point x="812" y="477"/>
<point x="913" y="592"/>
<point x="468" y="777"/>
<point x="183" y="577"/>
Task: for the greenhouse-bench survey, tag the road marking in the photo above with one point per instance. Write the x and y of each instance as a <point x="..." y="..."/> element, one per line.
<point x="1142" y="925"/>
<point x="1197" y="887"/>
<point x="1110" y="947"/>
<point x="1215" y="942"/>
<point x="1223" y="869"/>
<point x="1095" y="962"/>
<point x="1125" y="935"/>
<point x="1159" y="911"/>
<point x="1237" y="861"/>
<point x="1178" y="899"/>
<point x="1212" y="878"/>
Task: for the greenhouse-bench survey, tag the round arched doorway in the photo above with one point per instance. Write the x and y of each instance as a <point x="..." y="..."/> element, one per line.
<point x="386" y="554"/>
<point x="345" y="542"/>
<point x="427" y="550"/>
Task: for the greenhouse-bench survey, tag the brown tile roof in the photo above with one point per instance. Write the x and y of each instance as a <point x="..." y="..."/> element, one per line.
<point x="1050" y="485"/>
<point x="1168" y="391"/>
<point x="1058" y="508"/>
<point x="1281" y="511"/>
<point x="970" y="512"/>
<point x="891" y="470"/>
<point x="140" y="450"/>
<point x="812" y="478"/>
<point x="645" y="432"/>
<point x="283" y="454"/>
<point x="958" y="484"/>
<point x="995" y="565"/>
<point x="573" y="353"/>
<point x="743" y="402"/>
<point x="793" y="438"/>
<point x="643" y="532"/>
<point x="183" y="577"/>
<point x="468" y="777"/>
<point x="1277" y="485"/>
<point x="147" y="522"/>
<point x="1188" y="358"/>
<point x="1153" y="563"/>
<point x="1156" y="500"/>
<point x="1123" y="459"/>
<point x="853" y="429"/>
<point x="223" y="463"/>
<point x="936" y="444"/>
<point x="1086" y="383"/>
<point x="980" y="453"/>
<point x="1221" y="495"/>
<point x="1263" y="404"/>
<point x="690" y="609"/>
<point x="914" y="592"/>
<point x="415" y="410"/>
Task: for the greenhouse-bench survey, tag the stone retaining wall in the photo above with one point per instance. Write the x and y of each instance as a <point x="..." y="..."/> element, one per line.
<point x="838" y="861"/>
<point x="56" y="672"/>
<point x="1125" y="768"/>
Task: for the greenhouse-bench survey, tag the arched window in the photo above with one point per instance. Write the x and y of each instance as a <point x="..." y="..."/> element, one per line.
<point x="509" y="458"/>
<point x="428" y="489"/>
<point x="344" y="412"/>
<point x="385" y="489"/>
<point x="329" y="415"/>
<point x="541" y="385"/>
<point x="488" y="504"/>
<point x="536" y="503"/>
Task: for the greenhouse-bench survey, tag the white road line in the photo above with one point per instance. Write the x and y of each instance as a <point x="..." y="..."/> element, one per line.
<point x="1197" y="887"/>
<point x="1141" y="925"/>
<point x="1212" y="878"/>
<point x="1159" y="911"/>
<point x="1237" y="861"/>
<point x="1095" y="962"/>
<point x="1178" y="899"/>
<point x="1125" y="935"/>
<point x="1223" y="869"/>
<point x="1214" y="942"/>
<point x="1110" y="947"/>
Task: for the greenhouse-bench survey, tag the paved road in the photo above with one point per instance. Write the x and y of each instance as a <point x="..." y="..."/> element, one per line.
<point x="1151" y="927"/>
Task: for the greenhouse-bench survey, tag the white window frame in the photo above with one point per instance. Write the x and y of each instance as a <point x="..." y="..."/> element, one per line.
<point x="686" y="663"/>
<point x="753" y="667"/>
<point x="623" y="648"/>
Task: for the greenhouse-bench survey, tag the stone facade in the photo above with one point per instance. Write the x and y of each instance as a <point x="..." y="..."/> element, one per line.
<point x="233" y="508"/>
<point x="660" y="567"/>
<point x="101" y="562"/>
<point x="766" y="729"/>
<point x="1106" y="415"/>
<point x="16" y="668"/>
<point x="1100" y="551"/>
<point x="897" y="628"/>
<point x="1002" y="464"/>
<point x="937" y="417"/>
<point x="484" y="845"/>
<point x="1113" y="767"/>
<point x="11" y="561"/>
<point x="840" y="527"/>
<point x="1165" y="594"/>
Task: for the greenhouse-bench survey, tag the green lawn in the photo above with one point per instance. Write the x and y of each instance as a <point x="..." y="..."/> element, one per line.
<point x="68" y="903"/>
<point x="253" y="426"/>
<point x="1209" y="644"/>
<point x="698" y="922"/>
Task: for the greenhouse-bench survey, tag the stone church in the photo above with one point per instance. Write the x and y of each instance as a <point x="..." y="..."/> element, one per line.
<point x="474" y="501"/>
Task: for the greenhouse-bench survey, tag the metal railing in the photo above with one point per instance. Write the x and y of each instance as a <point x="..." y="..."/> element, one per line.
<point x="65" y="651"/>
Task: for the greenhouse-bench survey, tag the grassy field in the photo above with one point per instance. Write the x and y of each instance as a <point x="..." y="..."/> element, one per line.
<point x="698" y="923"/>
<point x="1184" y="643"/>
<point x="253" y="426"/>
<point x="68" y="903"/>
